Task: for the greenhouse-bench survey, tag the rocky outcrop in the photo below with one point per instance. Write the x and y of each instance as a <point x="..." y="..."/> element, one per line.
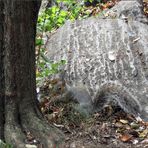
<point x="107" y="58"/>
<point x="49" y="3"/>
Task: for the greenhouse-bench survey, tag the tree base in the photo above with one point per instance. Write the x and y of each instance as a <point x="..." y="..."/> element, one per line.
<point x="28" y="127"/>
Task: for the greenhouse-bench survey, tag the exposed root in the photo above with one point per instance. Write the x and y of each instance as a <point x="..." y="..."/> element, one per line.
<point x="1" y="117"/>
<point x="1" y="126"/>
<point x="14" y="135"/>
<point x="47" y="135"/>
<point x="22" y="121"/>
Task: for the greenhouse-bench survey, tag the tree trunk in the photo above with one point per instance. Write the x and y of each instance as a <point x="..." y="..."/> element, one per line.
<point x="21" y="111"/>
<point x="1" y="75"/>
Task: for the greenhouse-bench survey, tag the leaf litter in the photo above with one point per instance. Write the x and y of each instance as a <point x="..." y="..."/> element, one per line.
<point x="111" y="127"/>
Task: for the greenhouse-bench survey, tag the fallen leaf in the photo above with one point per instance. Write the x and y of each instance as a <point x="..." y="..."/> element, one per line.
<point x="127" y="127"/>
<point x="124" y="121"/>
<point x="118" y="124"/>
<point x="134" y="125"/>
<point x="125" y="137"/>
<point x="144" y="133"/>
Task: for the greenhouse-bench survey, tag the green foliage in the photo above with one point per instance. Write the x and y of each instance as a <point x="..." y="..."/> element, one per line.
<point x="49" y="20"/>
<point x="88" y="1"/>
<point x="46" y="68"/>
<point x="39" y="42"/>
<point x="54" y="17"/>
<point x="91" y="1"/>
<point x="5" y="145"/>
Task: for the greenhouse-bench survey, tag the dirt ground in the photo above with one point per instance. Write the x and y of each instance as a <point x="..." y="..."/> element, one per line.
<point x="107" y="134"/>
<point x="109" y="128"/>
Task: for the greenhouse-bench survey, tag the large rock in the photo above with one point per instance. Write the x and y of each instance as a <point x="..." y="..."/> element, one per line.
<point x="49" y="3"/>
<point x="107" y="59"/>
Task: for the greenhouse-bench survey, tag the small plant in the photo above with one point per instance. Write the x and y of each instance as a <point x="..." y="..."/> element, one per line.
<point x="49" y="20"/>
<point x="48" y="68"/>
<point x="5" y="145"/>
<point x="45" y="67"/>
<point x="54" y="17"/>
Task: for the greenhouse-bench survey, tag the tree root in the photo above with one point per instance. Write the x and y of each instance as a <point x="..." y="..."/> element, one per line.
<point x="47" y="135"/>
<point x="14" y="135"/>
<point x="19" y="124"/>
<point x="1" y="117"/>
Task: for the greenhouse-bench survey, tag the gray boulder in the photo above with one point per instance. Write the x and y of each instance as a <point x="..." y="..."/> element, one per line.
<point x="107" y="58"/>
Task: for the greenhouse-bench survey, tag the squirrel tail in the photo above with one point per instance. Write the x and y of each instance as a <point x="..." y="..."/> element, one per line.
<point x="114" y="92"/>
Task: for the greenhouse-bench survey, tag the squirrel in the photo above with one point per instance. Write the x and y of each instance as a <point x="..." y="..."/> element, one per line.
<point x="111" y="93"/>
<point x="118" y="95"/>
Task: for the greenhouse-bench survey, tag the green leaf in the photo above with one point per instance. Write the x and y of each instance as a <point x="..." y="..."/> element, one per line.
<point x="63" y="13"/>
<point x="54" y="9"/>
<point x="39" y="42"/>
<point x="63" y="62"/>
<point x="5" y="145"/>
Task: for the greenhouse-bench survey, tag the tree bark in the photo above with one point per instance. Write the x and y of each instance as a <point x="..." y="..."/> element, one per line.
<point x="1" y="74"/>
<point x="18" y="67"/>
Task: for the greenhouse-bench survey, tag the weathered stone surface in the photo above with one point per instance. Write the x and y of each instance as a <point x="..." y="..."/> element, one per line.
<point x="131" y="9"/>
<point x="108" y="58"/>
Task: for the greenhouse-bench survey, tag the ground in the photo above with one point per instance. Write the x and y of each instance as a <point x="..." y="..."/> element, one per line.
<point x="110" y="128"/>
